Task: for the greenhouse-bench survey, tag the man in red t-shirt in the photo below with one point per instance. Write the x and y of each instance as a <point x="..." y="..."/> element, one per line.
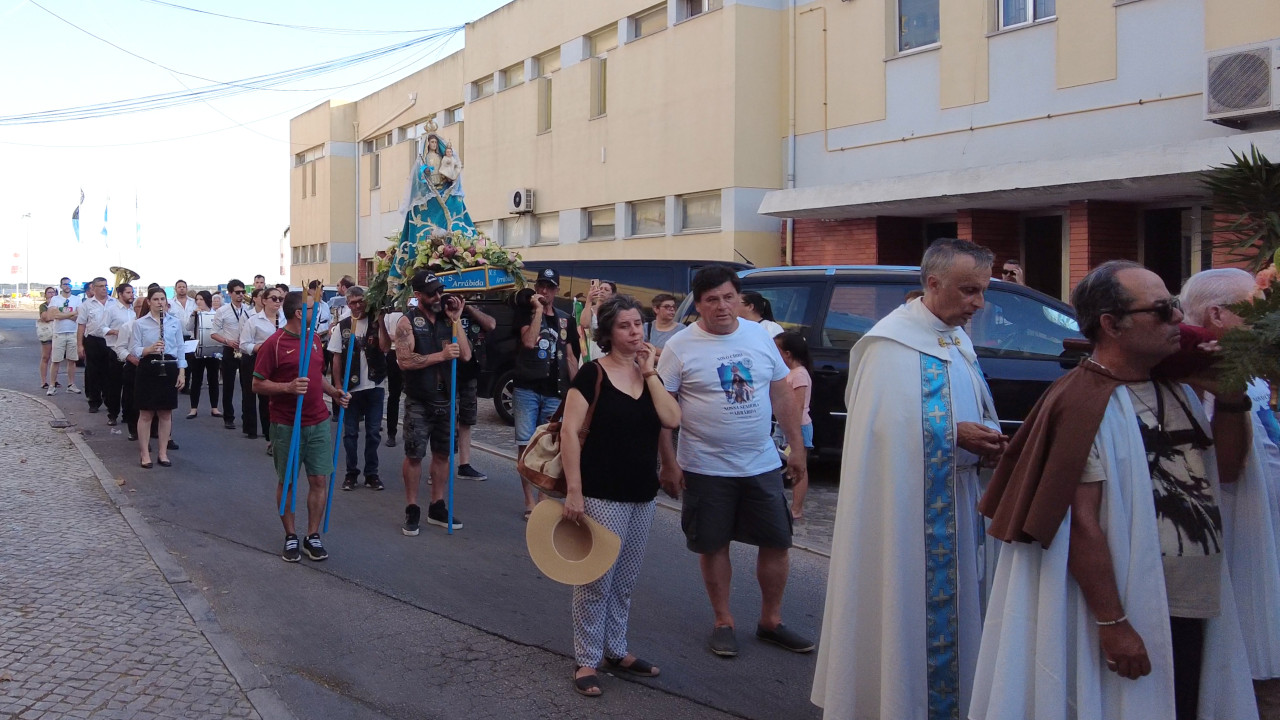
<point x="276" y="375"/>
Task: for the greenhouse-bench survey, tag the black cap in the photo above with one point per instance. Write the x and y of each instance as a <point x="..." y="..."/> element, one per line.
<point x="549" y="276"/>
<point x="425" y="282"/>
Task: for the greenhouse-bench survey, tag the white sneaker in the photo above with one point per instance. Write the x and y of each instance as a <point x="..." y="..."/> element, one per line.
<point x="73" y="389"/>
<point x="51" y="391"/>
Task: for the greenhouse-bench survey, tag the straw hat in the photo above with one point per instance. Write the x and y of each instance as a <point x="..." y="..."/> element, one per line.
<point x="569" y="553"/>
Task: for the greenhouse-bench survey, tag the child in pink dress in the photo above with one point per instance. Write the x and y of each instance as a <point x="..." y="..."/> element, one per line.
<point x="795" y="353"/>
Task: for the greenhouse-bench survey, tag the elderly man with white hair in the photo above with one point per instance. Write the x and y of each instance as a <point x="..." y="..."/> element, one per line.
<point x="1251" y="506"/>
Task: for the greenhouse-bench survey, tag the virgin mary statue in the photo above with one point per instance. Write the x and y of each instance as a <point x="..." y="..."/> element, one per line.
<point x="436" y="203"/>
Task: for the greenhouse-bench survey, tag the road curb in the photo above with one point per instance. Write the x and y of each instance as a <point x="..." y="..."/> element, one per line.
<point x="253" y="683"/>
<point x="663" y="500"/>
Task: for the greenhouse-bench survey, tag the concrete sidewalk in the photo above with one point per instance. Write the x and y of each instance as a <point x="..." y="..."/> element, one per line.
<point x="96" y="620"/>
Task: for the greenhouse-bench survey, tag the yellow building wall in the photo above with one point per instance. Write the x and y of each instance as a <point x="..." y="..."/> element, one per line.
<point x="663" y="149"/>
<point x="1086" y="42"/>
<point x="962" y="61"/>
<point x="848" y="74"/>
<point x="761" y="50"/>
<point x="1229" y="23"/>
<point x="529" y="28"/>
<point x="762" y="248"/>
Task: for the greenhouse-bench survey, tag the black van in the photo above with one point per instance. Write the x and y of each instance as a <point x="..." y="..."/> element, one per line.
<point x="1018" y="335"/>
<point x="642" y="279"/>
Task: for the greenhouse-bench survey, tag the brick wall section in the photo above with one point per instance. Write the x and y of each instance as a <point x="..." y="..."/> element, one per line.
<point x="997" y="230"/>
<point x="833" y="242"/>
<point x="1100" y="231"/>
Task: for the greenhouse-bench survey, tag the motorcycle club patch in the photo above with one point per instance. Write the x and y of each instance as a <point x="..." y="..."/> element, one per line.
<point x="420" y="321"/>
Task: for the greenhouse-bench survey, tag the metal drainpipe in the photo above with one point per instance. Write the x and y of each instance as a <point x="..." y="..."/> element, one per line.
<point x="355" y="129"/>
<point x="791" y="135"/>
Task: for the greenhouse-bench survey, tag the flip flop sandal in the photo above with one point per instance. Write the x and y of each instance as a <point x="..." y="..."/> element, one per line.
<point x="527" y="513"/>
<point x="638" y="667"/>
<point x="588" y="686"/>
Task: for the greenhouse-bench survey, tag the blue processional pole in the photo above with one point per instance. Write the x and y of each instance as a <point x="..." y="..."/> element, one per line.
<point x="453" y="421"/>
<point x="294" y="463"/>
<point x="342" y="415"/>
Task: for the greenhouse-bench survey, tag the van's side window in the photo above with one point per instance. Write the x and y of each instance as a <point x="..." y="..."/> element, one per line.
<point x="790" y="304"/>
<point x="1013" y="325"/>
<point x="854" y="309"/>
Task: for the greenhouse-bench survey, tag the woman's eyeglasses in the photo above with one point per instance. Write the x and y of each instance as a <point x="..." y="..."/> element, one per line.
<point x="274" y="298"/>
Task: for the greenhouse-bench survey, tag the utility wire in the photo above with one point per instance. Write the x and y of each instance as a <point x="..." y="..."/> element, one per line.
<point x="288" y="26"/>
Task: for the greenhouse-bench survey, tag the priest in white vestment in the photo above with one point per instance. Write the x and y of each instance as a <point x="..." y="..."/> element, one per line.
<point x="903" y="610"/>
<point x="1112" y="598"/>
<point x="1250" y="506"/>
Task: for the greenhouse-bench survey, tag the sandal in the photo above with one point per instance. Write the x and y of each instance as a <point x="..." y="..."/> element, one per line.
<point x="638" y="667"/>
<point x="588" y="685"/>
<point x="527" y="513"/>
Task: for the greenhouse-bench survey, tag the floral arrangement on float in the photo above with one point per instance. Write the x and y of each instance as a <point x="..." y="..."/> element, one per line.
<point x="1246" y="192"/>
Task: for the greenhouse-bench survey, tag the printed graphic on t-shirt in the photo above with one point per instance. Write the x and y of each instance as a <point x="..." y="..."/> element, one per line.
<point x="735" y="378"/>
<point x="1187" y="514"/>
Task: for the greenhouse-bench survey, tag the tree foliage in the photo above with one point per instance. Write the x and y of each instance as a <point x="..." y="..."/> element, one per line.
<point x="1246" y="194"/>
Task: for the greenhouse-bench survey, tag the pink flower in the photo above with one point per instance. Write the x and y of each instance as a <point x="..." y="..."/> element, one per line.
<point x="1266" y="277"/>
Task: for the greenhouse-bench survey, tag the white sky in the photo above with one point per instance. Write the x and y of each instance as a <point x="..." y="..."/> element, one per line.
<point x="215" y="204"/>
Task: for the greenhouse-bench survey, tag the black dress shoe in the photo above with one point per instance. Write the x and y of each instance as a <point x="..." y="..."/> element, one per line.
<point x="229" y="426"/>
<point x="111" y="422"/>
<point x="251" y="436"/>
<point x="133" y="437"/>
<point x="165" y="463"/>
<point x="93" y="409"/>
<point x="146" y="466"/>
<point x="172" y="445"/>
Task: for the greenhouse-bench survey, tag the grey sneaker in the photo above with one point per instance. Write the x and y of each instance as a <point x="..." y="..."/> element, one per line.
<point x="73" y="390"/>
<point x="723" y="642"/>
<point x="412" y="516"/>
<point x="51" y="391"/>
<point x="785" y="637"/>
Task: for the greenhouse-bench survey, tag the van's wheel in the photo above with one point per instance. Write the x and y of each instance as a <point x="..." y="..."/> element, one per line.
<point x="504" y="396"/>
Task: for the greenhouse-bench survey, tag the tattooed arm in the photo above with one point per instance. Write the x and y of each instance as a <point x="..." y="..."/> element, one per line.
<point x="408" y="359"/>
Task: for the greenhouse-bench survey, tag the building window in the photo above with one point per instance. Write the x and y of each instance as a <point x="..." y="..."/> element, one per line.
<point x="649" y="217"/>
<point x="647" y="23"/>
<point x="510" y="232"/>
<point x="548" y="229"/>
<point x="600" y="225"/>
<point x="549" y="62"/>
<point x="375" y="171"/>
<point x="322" y="252"/>
<point x="604" y="40"/>
<point x="453" y="115"/>
<point x="700" y="212"/>
<point x="693" y="8"/>
<point x="412" y="132"/>
<point x="544" y="105"/>
<point x="512" y="76"/>
<point x="917" y="24"/>
<point x="293" y="256"/>
<point x="303" y="173"/>
<point x="599" y="86"/>
<point x="311" y="155"/>
<point x="313" y="179"/>
<point x="1021" y="12"/>
<point x="482" y="88"/>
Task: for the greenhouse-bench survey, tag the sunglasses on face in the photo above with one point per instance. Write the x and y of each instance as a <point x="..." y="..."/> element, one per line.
<point x="274" y="298"/>
<point x="237" y="292"/>
<point x="1163" y="310"/>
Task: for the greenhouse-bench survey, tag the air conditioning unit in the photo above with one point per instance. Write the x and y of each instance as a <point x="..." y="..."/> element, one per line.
<point x="521" y="201"/>
<point x="1242" y="83"/>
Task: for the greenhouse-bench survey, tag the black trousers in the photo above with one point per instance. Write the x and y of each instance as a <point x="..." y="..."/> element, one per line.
<point x="256" y="409"/>
<point x="1188" y="658"/>
<point x="200" y="367"/>
<point x="395" y="386"/>
<point x="112" y="394"/>
<point x="96" y="361"/>
<point x="129" y="412"/>
<point x="230" y="366"/>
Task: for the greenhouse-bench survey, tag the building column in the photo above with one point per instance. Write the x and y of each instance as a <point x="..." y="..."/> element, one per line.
<point x="997" y="230"/>
<point x="1100" y="231"/>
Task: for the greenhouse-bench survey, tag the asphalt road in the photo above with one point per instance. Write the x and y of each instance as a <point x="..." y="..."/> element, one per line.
<point x="435" y="625"/>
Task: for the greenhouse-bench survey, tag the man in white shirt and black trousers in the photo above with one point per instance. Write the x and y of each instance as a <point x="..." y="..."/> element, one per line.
<point x="92" y="345"/>
<point x="366" y="385"/>
<point x="226" y="330"/>
<point x="183" y="307"/>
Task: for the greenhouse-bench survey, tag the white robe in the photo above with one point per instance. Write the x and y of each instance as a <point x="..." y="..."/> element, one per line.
<point x="873" y="656"/>
<point x="1251" y="536"/>
<point x="1040" y="656"/>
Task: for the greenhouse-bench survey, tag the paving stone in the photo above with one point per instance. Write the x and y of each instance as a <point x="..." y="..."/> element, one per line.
<point x="89" y="628"/>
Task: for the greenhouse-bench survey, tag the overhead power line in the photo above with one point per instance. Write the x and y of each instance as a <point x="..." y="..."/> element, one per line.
<point x="218" y="90"/>
<point x="288" y="26"/>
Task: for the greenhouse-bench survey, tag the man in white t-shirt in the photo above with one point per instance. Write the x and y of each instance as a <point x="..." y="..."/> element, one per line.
<point x="64" y="311"/>
<point x="730" y="379"/>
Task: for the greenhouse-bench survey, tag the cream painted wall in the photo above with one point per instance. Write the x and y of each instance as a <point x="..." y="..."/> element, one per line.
<point x="1239" y="22"/>
<point x="854" y="65"/>
<point x="760" y="50"/>
<point x="527" y="28"/>
<point x="1086" y="42"/>
<point x="962" y="58"/>
<point x="437" y="87"/>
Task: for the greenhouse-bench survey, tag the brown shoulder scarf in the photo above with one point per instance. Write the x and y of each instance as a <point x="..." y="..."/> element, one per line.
<point x="1036" y="480"/>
